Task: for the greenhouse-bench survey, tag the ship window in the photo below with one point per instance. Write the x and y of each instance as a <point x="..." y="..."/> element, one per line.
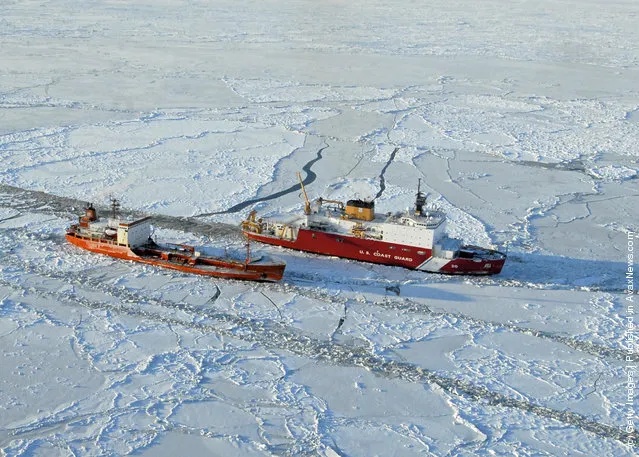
<point x="313" y="235"/>
<point x="405" y="249"/>
<point x="339" y="240"/>
<point x="421" y="252"/>
<point x="391" y="247"/>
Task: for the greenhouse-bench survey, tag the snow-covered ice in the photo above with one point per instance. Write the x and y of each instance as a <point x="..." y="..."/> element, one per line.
<point x="522" y="120"/>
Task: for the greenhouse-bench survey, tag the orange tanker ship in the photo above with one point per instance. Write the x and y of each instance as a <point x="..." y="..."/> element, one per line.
<point x="131" y="240"/>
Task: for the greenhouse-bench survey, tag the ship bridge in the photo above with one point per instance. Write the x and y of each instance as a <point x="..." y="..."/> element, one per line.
<point x="421" y="230"/>
<point x="429" y="219"/>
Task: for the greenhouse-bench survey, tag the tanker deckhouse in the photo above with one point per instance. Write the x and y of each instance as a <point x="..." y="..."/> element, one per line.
<point x="415" y="240"/>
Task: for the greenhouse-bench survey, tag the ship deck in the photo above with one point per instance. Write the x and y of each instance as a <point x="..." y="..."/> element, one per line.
<point x="201" y="256"/>
<point x="430" y="219"/>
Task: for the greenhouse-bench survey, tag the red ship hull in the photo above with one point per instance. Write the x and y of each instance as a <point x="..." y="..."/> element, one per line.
<point x="374" y="251"/>
<point x="221" y="268"/>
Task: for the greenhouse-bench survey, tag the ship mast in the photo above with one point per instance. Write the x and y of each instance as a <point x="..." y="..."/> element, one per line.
<point x="307" y="204"/>
<point x="420" y="199"/>
<point x="115" y="206"/>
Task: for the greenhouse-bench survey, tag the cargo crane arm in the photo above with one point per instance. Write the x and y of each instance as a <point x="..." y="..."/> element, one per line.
<point x="307" y="204"/>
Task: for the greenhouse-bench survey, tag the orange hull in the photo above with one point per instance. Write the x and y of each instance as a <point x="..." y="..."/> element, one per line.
<point x="182" y="258"/>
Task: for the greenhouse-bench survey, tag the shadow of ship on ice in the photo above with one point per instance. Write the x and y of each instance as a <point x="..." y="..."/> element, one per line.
<point x="366" y="280"/>
<point x="538" y="271"/>
<point x="560" y="272"/>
